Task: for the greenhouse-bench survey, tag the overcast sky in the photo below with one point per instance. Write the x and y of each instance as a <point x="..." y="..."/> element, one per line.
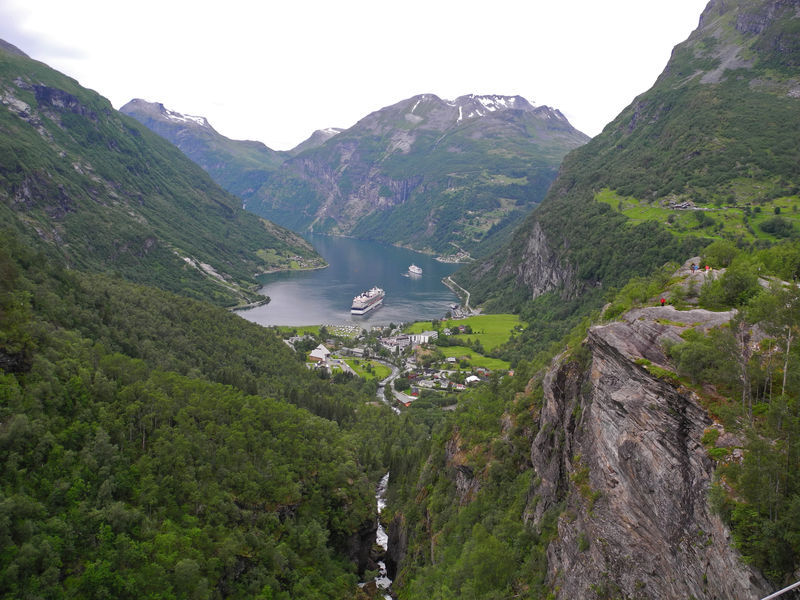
<point x="275" y="71"/>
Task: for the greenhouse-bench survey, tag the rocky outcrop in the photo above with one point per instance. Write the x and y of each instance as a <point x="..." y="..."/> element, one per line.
<point x="754" y="20"/>
<point x="54" y="98"/>
<point x="619" y="445"/>
<point x="397" y="545"/>
<point x="359" y="547"/>
<point x="541" y="269"/>
<point x="455" y="455"/>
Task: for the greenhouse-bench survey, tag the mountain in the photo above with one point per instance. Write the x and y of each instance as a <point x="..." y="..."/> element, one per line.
<point x="107" y="194"/>
<point x="709" y="152"/>
<point x="426" y="173"/>
<point x="238" y="166"/>
<point x="319" y="137"/>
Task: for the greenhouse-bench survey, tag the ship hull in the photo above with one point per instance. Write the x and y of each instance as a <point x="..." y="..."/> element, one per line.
<point x="366" y="309"/>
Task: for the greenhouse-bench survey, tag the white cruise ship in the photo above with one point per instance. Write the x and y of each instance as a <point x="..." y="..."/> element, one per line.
<point x="365" y="302"/>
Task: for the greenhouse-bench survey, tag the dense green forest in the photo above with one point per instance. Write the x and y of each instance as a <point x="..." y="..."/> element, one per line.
<point x="754" y="366"/>
<point x="154" y="446"/>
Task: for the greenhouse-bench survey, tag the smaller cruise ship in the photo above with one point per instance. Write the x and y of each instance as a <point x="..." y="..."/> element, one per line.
<point x="414" y="269"/>
<point x="366" y="301"/>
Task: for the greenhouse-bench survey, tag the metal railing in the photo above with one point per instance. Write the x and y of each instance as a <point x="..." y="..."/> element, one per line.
<point x="783" y="591"/>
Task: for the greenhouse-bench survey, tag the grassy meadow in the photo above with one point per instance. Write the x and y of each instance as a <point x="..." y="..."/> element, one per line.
<point x="746" y="216"/>
<point x="368" y="369"/>
<point x="475" y="359"/>
<point x="490" y="330"/>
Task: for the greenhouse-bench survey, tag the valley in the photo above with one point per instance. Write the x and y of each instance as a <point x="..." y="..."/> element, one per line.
<point x="560" y="405"/>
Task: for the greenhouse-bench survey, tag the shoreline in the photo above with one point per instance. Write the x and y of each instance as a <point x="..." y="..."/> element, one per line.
<point x="266" y="299"/>
<point x="451" y="285"/>
<point x="460" y="258"/>
<point x="325" y="266"/>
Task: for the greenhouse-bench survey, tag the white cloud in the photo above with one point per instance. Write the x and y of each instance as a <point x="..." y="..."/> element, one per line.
<point x="276" y="71"/>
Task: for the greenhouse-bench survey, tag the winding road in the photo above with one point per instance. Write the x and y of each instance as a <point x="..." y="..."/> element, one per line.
<point x="452" y="284"/>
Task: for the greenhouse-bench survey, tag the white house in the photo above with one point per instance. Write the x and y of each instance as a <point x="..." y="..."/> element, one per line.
<point x="319" y="354"/>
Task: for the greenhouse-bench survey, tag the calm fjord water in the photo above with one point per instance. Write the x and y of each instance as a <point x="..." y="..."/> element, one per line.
<point x="323" y="297"/>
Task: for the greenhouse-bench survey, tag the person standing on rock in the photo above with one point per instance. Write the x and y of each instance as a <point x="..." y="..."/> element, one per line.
<point x="662" y="301"/>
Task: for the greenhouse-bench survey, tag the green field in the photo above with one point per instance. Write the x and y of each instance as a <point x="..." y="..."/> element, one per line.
<point x="379" y="370"/>
<point x="475" y="359"/>
<point x="490" y="330"/>
<point x="725" y="221"/>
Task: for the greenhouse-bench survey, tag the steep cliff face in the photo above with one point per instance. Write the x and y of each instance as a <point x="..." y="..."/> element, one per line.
<point x="540" y="269"/>
<point x="619" y="444"/>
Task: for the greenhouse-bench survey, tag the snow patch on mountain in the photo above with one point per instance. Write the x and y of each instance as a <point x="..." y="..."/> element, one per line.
<point x="181" y="118"/>
<point x="474" y="105"/>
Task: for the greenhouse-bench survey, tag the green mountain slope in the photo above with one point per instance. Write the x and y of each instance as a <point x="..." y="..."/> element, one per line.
<point x="237" y="166"/>
<point x="425" y="173"/>
<point x="107" y="194"/>
<point x="710" y="151"/>
<point x="154" y="445"/>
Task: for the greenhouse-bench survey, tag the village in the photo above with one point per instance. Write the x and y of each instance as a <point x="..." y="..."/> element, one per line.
<point x="407" y="362"/>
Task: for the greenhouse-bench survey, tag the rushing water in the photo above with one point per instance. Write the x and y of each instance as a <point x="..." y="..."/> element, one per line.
<point x="382" y="580"/>
<point x="323" y="297"/>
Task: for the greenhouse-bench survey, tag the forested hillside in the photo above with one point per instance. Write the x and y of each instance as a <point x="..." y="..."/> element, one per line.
<point x="154" y="445"/>
<point x="157" y="446"/>
<point x="106" y="194"/>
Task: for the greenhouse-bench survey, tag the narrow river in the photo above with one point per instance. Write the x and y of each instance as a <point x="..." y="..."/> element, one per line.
<point x="382" y="580"/>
